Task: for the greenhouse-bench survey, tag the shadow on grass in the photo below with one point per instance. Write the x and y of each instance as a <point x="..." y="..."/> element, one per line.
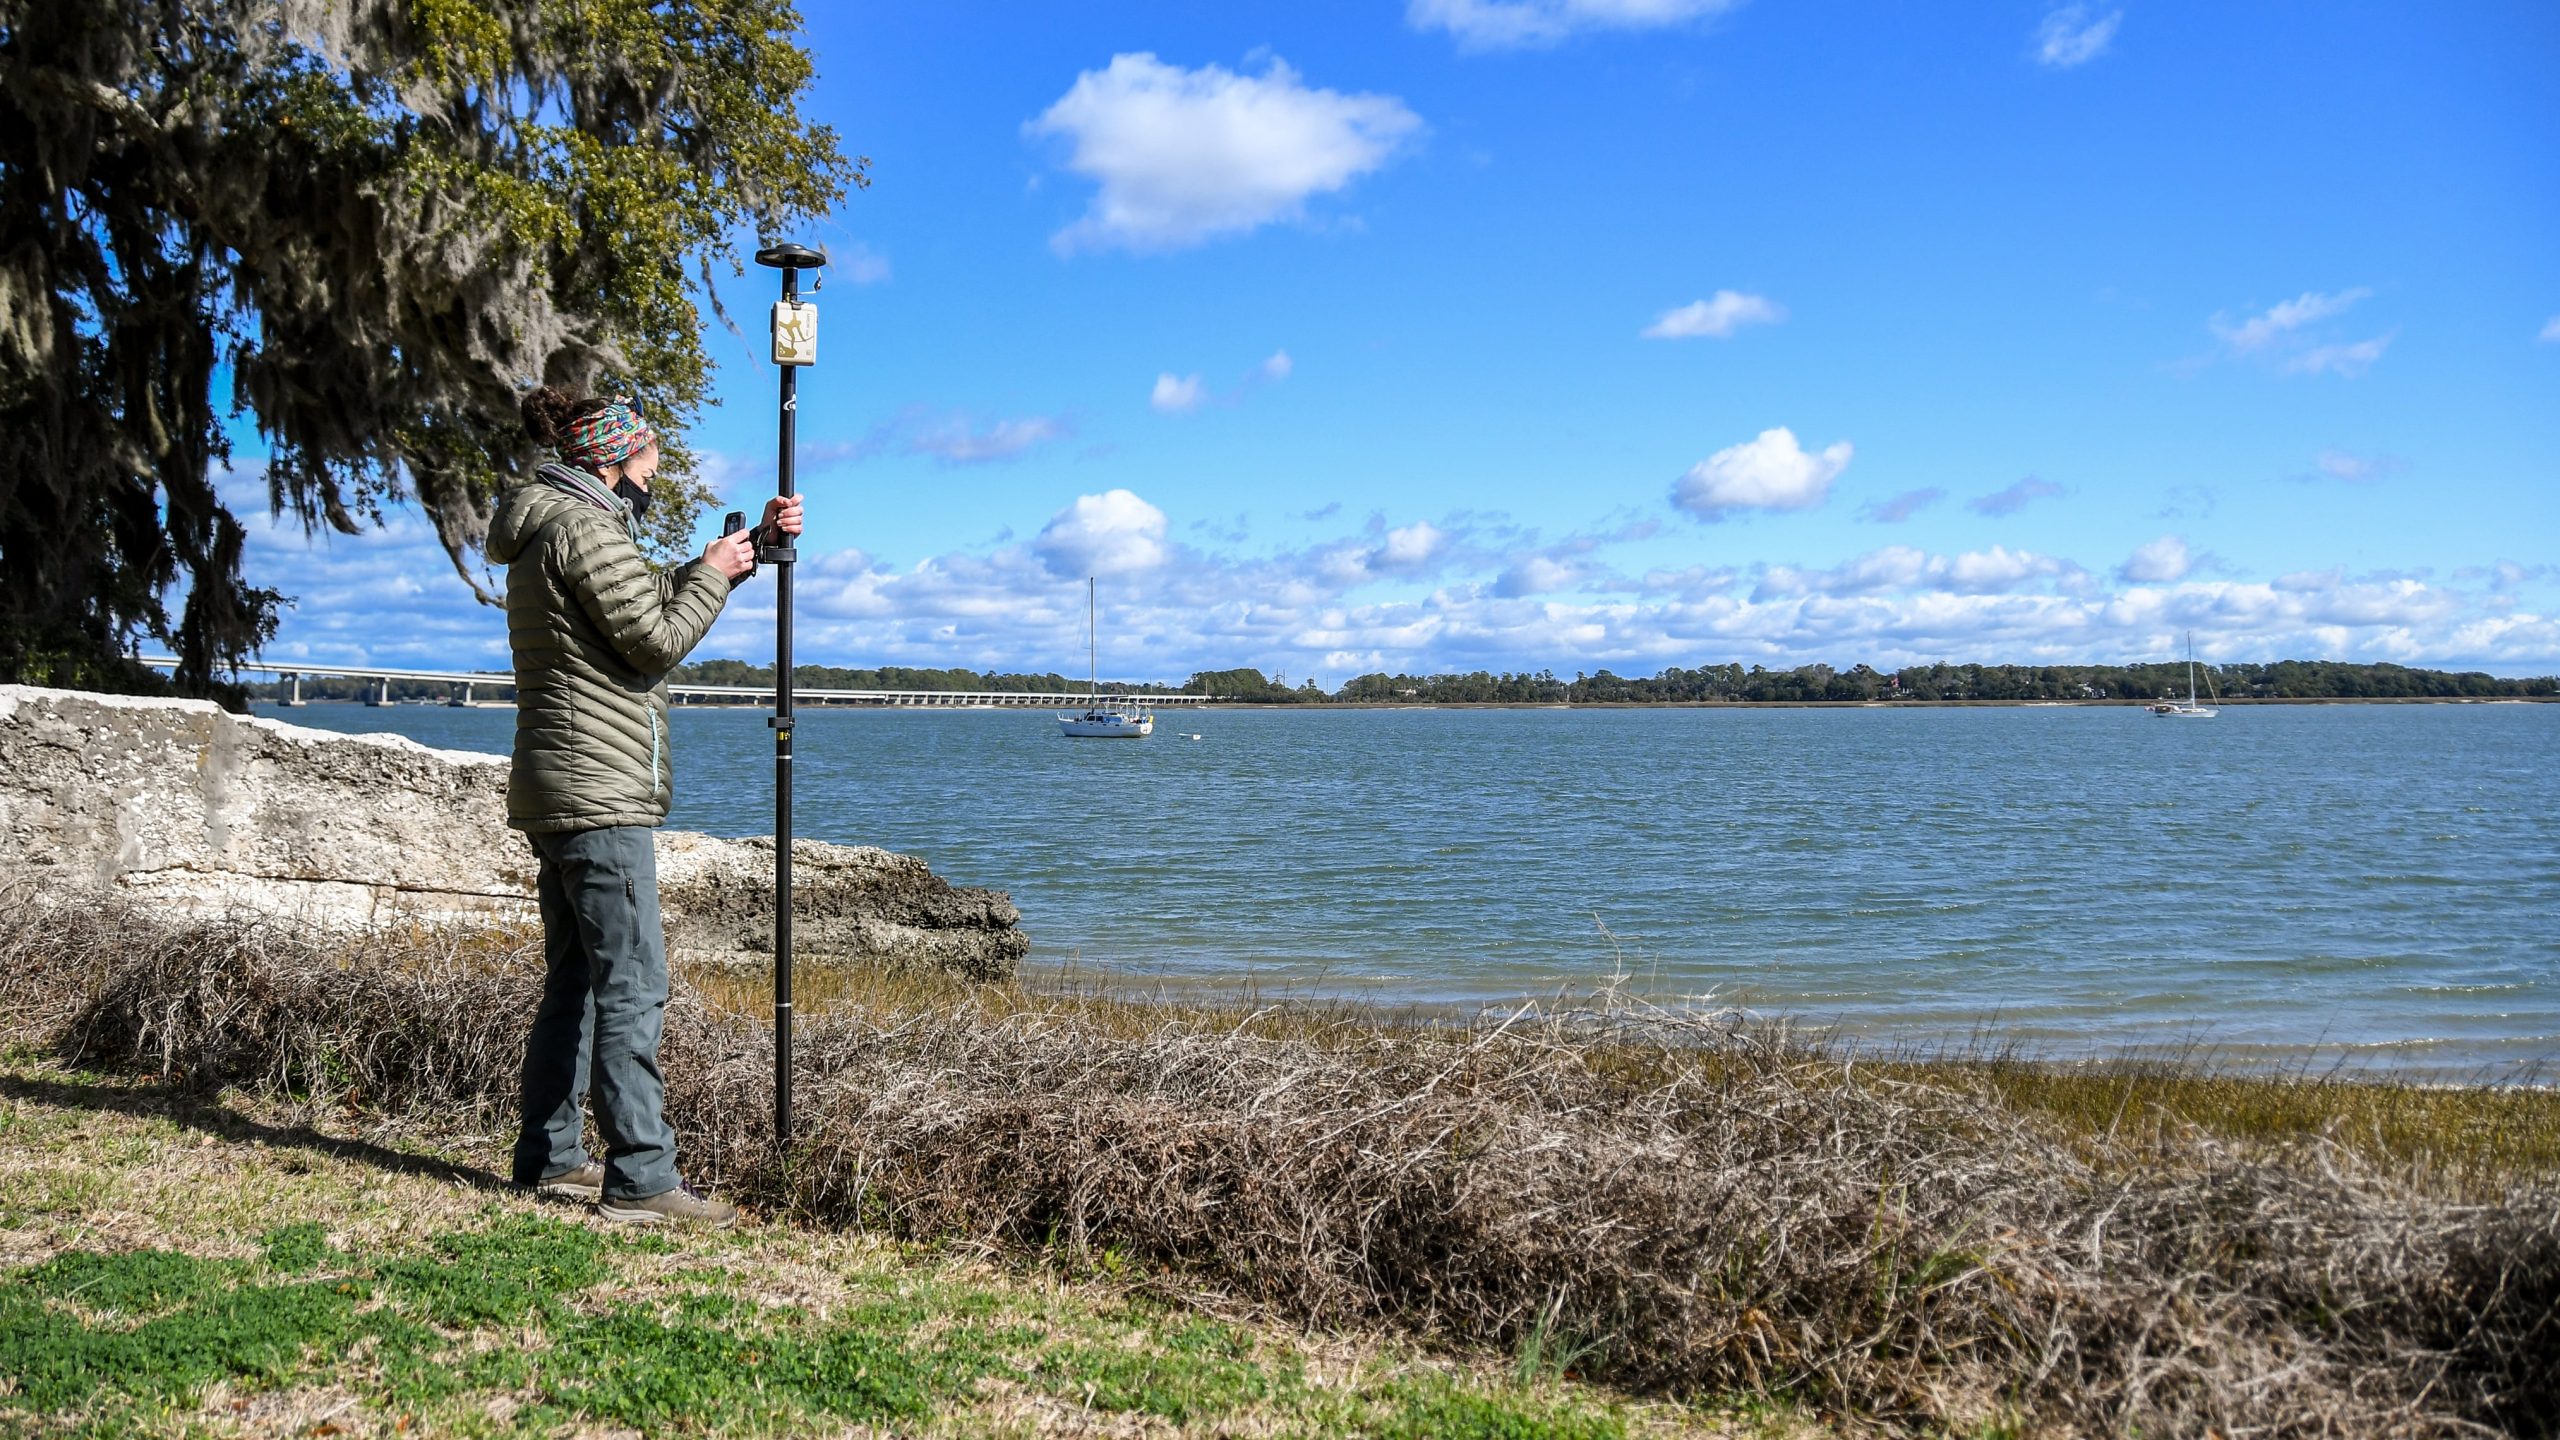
<point x="199" y="1112"/>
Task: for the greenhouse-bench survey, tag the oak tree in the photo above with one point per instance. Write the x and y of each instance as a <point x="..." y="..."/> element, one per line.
<point x="357" y="231"/>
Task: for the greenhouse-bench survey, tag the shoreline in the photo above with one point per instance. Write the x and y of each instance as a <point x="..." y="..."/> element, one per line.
<point x="1326" y="705"/>
<point x="1862" y="704"/>
<point x="1985" y="1040"/>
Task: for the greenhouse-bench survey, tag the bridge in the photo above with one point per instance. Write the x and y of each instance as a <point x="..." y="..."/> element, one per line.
<point x="461" y="683"/>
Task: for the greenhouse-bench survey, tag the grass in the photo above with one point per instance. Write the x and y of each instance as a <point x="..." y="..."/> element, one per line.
<point x="2470" y="1140"/>
<point x="1674" y="1203"/>
<point x="227" y="1268"/>
<point x="2477" y="1140"/>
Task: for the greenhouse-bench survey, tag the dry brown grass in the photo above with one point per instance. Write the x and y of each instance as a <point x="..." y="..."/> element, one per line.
<point x="2463" y="1141"/>
<point x="2466" y="1140"/>
<point x="1670" y="1201"/>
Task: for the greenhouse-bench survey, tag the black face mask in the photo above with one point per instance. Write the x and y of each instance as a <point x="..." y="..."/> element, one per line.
<point x="638" y="497"/>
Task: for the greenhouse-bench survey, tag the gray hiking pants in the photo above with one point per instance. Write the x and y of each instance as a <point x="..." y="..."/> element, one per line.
<point x="604" y="1002"/>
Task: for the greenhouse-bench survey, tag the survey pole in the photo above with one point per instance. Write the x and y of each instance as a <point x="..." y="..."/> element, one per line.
<point x="795" y="343"/>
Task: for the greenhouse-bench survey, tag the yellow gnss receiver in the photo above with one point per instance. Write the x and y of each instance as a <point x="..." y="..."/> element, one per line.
<point x="795" y="332"/>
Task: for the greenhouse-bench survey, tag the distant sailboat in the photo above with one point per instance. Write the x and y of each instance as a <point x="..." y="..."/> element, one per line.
<point x="1115" y="719"/>
<point x="2191" y="710"/>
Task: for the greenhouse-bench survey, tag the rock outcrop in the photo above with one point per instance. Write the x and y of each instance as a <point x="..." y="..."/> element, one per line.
<point x="181" y="803"/>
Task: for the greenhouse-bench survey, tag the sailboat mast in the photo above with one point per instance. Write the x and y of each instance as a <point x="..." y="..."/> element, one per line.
<point x="1093" y="645"/>
<point x="2191" y="669"/>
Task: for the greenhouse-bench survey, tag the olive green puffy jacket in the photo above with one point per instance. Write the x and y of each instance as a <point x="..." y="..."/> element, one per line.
<point x="595" y="632"/>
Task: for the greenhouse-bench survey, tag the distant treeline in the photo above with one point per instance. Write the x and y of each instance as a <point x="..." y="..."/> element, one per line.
<point x="2283" y="680"/>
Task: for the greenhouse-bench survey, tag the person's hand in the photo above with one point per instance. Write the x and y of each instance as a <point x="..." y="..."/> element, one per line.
<point x="783" y="514"/>
<point x="734" y="556"/>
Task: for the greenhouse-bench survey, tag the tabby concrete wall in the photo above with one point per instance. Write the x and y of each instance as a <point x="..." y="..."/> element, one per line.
<point x="182" y="804"/>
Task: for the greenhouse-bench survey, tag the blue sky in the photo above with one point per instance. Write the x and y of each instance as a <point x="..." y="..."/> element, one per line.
<point x="1578" y="333"/>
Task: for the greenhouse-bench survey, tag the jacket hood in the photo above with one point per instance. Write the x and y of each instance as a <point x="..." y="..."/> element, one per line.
<point x="522" y="514"/>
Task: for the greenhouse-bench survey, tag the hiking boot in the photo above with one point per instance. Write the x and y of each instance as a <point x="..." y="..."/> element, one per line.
<point x="679" y="1206"/>
<point x="586" y="1183"/>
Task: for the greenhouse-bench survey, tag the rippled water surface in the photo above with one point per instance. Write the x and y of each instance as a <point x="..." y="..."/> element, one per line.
<point x="2380" y="883"/>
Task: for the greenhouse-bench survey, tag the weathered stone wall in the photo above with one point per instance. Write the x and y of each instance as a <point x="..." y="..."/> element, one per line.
<point x="184" y="804"/>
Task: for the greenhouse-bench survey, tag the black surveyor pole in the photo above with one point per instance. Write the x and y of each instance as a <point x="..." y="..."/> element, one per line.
<point x="795" y="343"/>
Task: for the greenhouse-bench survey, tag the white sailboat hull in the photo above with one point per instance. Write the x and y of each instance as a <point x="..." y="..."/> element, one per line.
<point x="1106" y="725"/>
<point x="2171" y="709"/>
<point x="1118" y="718"/>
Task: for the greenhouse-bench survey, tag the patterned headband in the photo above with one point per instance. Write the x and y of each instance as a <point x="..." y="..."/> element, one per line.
<point x="608" y="437"/>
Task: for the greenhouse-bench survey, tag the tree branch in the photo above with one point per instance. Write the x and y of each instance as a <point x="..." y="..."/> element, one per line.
<point x="126" y="111"/>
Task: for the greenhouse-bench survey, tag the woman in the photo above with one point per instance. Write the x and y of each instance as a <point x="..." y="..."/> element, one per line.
<point x="595" y="631"/>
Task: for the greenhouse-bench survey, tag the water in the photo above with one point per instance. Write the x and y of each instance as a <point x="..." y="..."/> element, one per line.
<point x="2368" y="884"/>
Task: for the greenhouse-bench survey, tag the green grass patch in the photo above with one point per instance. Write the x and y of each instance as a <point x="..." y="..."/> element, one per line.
<point x="258" y="1334"/>
<point x="132" y="1282"/>
<point x="296" y="1249"/>
<point x="162" y="1325"/>
<point x="1438" y="1409"/>
<point x="100" y="1342"/>
<point x="652" y="1373"/>
<point x="1190" y="1371"/>
<point x="520" y="1267"/>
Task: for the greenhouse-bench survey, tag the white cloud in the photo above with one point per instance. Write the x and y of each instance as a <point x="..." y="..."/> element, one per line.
<point x="2509" y="574"/>
<point x="1690" y="583"/>
<point x="2257" y="332"/>
<point x="1516" y="24"/>
<point x="2072" y="36"/>
<point x="951" y="437"/>
<point x="1201" y="611"/>
<point x="1535" y="575"/>
<point x="2346" y="360"/>
<point x="2283" y="335"/>
<point x="2163" y="560"/>
<point x="730" y="476"/>
<point x="955" y="441"/>
<point x="858" y="263"/>
<point x="1107" y="534"/>
<point x="1184" y="156"/>
<point x="2011" y="499"/>
<point x="1895" y="567"/>
<point x="1341" y="604"/>
<point x="1410" y="547"/>
<point x="1898" y="508"/>
<point x="386" y="596"/>
<point x="1769" y="472"/>
<point x="1903" y="567"/>
<point x="1719" y="317"/>
<point x="2550" y="331"/>
<point x="1177" y="393"/>
<point x="2354" y="469"/>
<point x="1987" y="572"/>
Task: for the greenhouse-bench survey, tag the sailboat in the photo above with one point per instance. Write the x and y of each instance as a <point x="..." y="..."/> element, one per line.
<point x="2191" y="710"/>
<point x="1114" y="719"/>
